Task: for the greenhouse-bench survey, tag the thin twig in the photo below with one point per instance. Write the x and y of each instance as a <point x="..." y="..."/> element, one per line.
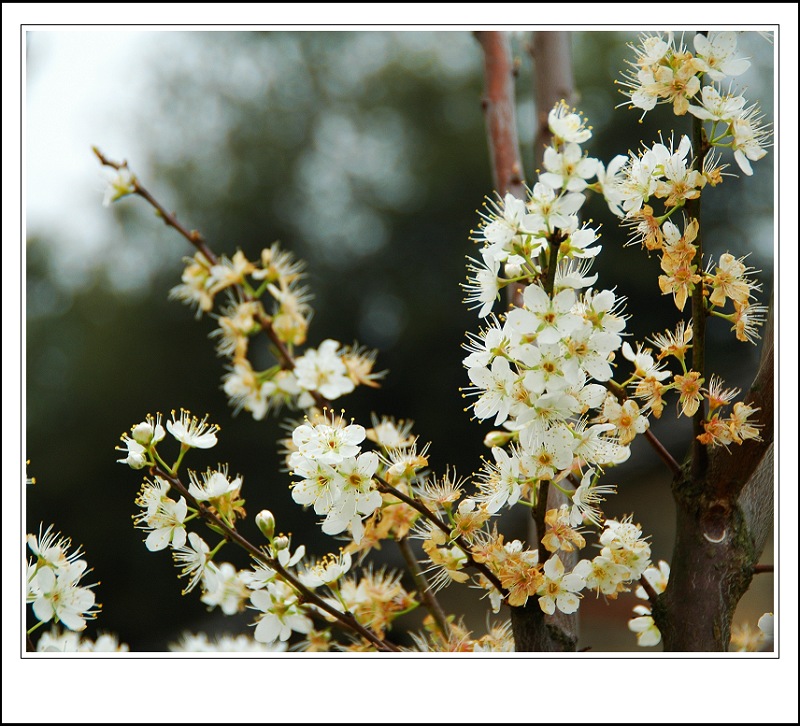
<point x="649" y="589"/>
<point x="652" y="439"/>
<point x="539" y="514"/>
<point x="194" y="237"/>
<point x="384" y="486"/>
<point x="760" y="569"/>
<point x="344" y="619"/>
<point x="425" y="593"/>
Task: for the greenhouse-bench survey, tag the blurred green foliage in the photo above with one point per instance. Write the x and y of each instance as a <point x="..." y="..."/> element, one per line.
<point x="365" y="154"/>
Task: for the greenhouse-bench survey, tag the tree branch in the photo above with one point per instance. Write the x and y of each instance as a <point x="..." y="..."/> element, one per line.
<point x="423" y="588"/>
<point x="553" y="81"/>
<point x="723" y="520"/>
<point x="284" y="355"/>
<point x="346" y="620"/>
<point x="499" y="111"/>
<point x="384" y="486"/>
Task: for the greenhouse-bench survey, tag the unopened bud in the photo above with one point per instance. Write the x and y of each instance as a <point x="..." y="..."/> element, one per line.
<point x="266" y="523"/>
<point x="280" y="543"/>
<point x="497" y="438"/>
<point x="143" y="433"/>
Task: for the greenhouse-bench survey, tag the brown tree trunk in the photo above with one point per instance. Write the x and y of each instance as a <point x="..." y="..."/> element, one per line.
<point x="723" y="521"/>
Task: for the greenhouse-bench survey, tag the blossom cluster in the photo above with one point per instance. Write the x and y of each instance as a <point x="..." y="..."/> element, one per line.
<point x="281" y="580"/>
<point x="665" y="71"/>
<point x="299" y="381"/>
<point x="541" y="369"/>
<point x="542" y="373"/>
<point x="53" y="581"/>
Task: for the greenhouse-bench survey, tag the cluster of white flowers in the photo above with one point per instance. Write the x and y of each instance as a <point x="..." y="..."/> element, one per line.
<point x="200" y="643"/>
<point x="661" y="171"/>
<point x="667" y="72"/>
<point x="336" y="477"/>
<point x="327" y="372"/>
<point x="56" y="640"/>
<point x="534" y="371"/>
<point x="53" y="581"/>
<point x="517" y="234"/>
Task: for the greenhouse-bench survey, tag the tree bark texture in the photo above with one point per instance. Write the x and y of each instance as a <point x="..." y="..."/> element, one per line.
<point x="723" y="521"/>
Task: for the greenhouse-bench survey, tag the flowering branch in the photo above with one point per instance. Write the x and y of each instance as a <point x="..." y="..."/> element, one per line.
<point x="699" y="450"/>
<point x="384" y="486"/>
<point x="230" y="534"/>
<point x="194" y="237"/>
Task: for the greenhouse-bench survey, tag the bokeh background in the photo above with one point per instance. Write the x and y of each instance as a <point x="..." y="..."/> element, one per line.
<point x="365" y="154"/>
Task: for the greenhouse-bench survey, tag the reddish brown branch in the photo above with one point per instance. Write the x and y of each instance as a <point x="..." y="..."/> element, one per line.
<point x="553" y="81"/>
<point x="658" y="447"/>
<point x="197" y="240"/>
<point x="649" y="589"/>
<point x="761" y="569"/>
<point x="192" y="236"/>
<point x="499" y="110"/>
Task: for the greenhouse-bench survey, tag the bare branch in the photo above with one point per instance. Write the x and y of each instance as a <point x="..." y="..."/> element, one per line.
<point x="499" y="110"/>
<point x="553" y="81"/>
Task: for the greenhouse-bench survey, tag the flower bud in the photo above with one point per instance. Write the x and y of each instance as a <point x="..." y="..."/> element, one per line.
<point x="497" y="438"/>
<point x="280" y="543"/>
<point x="266" y="523"/>
<point x="143" y="433"/>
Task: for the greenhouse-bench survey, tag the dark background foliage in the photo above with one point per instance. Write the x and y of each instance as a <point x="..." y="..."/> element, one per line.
<point x="365" y="154"/>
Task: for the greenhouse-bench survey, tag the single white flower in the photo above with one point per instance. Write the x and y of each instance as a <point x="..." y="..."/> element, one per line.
<point x="647" y="633"/>
<point x="716" y="54"/>
<point x="323" y="370"/>
<point x="568" y="169"/>
<point x="566" y="125"/>
<point x="483" y="286"/>
<point x="559" y="589"/>
<point x="326" y="571"/>
<point x="215" y="484"/>
<point x="148" y="432"/>
<point x="163" y="516"/>
<point x="497" y="385"/>
<point x="120" y="184"/>
<point x="281" y="613"/>
<point x="586" y="500"/>
<point x="224" y="587"/>
<point x="194" y="560"/>
<point x="136" y="453"/>
<point x="657" y="577"/>
<point x="330" y="442"/>
<point x="193" y="432"/>
<point x="61" y="598"/>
